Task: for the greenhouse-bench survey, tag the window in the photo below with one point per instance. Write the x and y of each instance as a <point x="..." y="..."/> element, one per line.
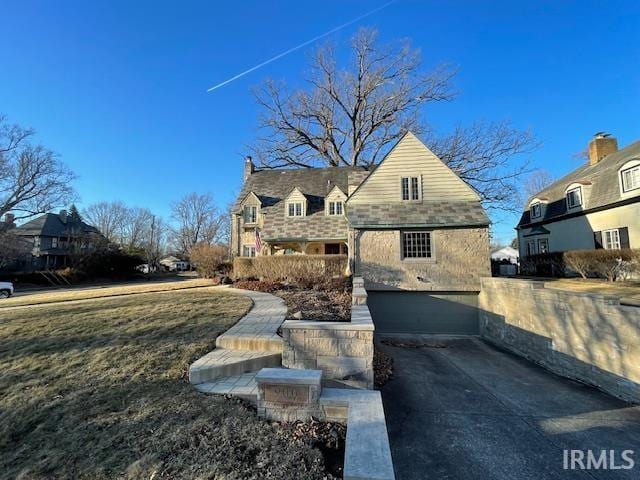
<point x="54" y="242"/>
<point x="631" y="178"/>
<point x="335" y="208"/>
<point x="611" y="239"/>
<point x="36" y="241"/>
<point x="250" y="214"/>
<point x="536" y="210"/>
<point x="543" y="245"/>
<point x="295" y="209"/>
<point x="531" y="248"/>
<point x="410" y="187"/>
<point x="574" y="197"/>
<point x="249" y="251"/>
<point x="416" y="245"/>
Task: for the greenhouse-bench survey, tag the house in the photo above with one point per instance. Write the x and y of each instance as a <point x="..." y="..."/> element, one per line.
<point x="595" y="206"/>
<point x="55" y="237"/>
<point x="174" y="264"/>
<point x="409" y="225"/>
<point x="509" y="254"/>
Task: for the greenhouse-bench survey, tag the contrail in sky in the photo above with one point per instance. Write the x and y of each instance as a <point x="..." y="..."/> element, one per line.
<point x="298" y="47"/>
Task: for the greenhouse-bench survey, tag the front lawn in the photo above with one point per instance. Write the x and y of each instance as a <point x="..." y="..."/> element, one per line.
<point x="97" y="390"/>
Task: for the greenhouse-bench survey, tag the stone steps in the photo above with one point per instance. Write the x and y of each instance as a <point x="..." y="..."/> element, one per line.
<point x="223" y="362"/>
<point x="243" y="386"/>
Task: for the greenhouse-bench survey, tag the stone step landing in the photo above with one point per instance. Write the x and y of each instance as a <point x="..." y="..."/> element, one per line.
<point x="243" y="386"/>
<point x="223" y="362"/>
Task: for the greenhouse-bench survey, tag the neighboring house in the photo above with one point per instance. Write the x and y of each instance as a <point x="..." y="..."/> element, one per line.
<point x="174" y="264"/>
<point x="509" y="254"/>
<point x="595" y="206"/>
<point x="411" y="224"/>
<point x="55" y="238"/>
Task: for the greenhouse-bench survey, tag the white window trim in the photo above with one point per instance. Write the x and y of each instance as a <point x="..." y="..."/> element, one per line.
<point x="534" y="247"/>
<point x="248" y="247"/>
<point x="608" y="246"/>
<point x="539" y="241"/>
<point x="631" y="169"/>
<point x="419" y="191"/>
<point x="429" y="259"/>
<point x="532" y="208"/>
<point x="244" y="213"/>
<point x="335" y="203"/>
<point x="580" y="192"/>
<point x="302" y="209"/>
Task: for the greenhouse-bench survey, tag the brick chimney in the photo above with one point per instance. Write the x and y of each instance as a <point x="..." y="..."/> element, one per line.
<point x="249" y="167"/>
<point x="63" y="216"/>
<point x="601" y="145"/>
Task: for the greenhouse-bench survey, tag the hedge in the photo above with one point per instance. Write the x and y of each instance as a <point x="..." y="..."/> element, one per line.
<point x="610" y="264"/>
<point x="289" y="267"/>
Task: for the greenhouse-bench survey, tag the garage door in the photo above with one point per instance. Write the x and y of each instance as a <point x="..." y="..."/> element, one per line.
<point x="421" y="312"/>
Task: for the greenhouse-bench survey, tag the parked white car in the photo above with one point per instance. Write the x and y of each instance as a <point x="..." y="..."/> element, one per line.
<point x="6" y="289"/>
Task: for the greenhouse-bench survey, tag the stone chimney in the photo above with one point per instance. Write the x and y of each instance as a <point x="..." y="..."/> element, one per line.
<point x="601" y="145"/>
<point x="63" y="216"/>
<point x="249" y="167"/>
<point x="9" y="219"/>
<point x="354" y="179"/>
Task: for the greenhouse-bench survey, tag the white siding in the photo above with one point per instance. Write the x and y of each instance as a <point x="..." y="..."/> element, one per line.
<point x="410" y="157"/>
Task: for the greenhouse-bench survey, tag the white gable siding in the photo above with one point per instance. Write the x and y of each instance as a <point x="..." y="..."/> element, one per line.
<point x="296" y="196"/>
<point x="410" y="157"/>
<point x="336" y="195"/>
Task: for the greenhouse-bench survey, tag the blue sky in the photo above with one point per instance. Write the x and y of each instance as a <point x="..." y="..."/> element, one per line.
<point x="118" y="88"/>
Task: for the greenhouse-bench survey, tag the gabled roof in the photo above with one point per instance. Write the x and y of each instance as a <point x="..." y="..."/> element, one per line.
<point x="50" y="225"/>
<point x="604" y="180"/>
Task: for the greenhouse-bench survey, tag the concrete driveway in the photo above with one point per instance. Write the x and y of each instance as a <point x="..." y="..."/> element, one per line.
<point x="466" y="410"/>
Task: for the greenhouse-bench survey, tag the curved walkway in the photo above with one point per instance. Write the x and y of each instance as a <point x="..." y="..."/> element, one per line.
<point x="250" y="345"/>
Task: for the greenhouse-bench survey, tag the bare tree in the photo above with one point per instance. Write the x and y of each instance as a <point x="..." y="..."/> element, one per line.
<point x="197" y="220"/>
<point x="13" y="248"/>
<point x="353" y="116"/>
<point x="32" y="178"/>
<point x="350" y="116"/>
<point x="109" y="218"/>
<point x="536" y="181"/>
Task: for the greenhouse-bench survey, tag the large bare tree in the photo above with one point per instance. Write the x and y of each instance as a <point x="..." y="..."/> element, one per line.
<point x="109" y="218"/>
<point x="353" y="115"/>
<point x="33" y="180"/>
<point x="197" y="220"/>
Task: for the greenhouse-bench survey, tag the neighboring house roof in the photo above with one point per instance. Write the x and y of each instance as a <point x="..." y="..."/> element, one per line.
<point x="505" y="252"/>
<point x="434" y="213"/>
<point x="602" y="177"/>
<point x="50" y="225"/>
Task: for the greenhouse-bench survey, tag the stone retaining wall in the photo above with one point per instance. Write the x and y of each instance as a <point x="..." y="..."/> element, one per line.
<point x="342" y="350"/>
<point x="589" y="337"/>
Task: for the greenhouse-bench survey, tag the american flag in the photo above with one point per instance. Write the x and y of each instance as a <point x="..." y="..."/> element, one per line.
<point x="258" y="242"/>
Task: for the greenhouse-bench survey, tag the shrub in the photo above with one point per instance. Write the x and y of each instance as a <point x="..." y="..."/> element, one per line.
<point x="110" y="262"/>
<point x="316" y="268"/>
<point x="208" y="259"/>
<point x="544" y="265"/>
<point x="610" y="264"/>
<point x="580" y="261"/>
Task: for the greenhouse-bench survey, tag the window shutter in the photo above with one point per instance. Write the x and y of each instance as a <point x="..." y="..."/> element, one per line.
<point x="624" y="237"/>
<point x="597" y="238"/>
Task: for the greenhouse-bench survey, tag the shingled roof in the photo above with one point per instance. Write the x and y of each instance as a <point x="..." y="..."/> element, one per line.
<point x="50" y="225"/>
<point x="604" y="185"/>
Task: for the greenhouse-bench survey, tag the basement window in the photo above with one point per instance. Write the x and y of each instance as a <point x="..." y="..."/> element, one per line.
<point x="416" y="245"/>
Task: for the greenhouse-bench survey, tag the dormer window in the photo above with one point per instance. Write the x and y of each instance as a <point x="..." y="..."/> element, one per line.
<point x="574" y="197"/>
<point x="410" y="188"/>
<point x="335" y="208"/>
<point x="630" y="178"/>
<point x="295" y="209"/>
<point x="536" y="210"/>
<point x="250" y="214"/>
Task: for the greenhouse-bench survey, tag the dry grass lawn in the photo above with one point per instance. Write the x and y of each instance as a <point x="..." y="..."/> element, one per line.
<point x="627" y="289"/>
<point x="97" y="390"/>
<point x="54" y="296"/>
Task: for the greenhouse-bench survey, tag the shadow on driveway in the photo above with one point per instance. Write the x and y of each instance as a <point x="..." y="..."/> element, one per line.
<point x="470" y="411"/>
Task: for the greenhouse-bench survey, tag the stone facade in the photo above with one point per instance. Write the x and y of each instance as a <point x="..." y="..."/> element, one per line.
<point x="460" y="259"/>
<point x="588" y="337"/>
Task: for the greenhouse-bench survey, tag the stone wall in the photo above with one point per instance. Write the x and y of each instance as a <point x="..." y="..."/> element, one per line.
<point x="342" y="350"/>
<point x="588" y="337"/>
<point x="461" y="258"/>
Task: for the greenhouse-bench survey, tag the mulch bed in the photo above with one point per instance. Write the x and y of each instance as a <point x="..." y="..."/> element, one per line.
<point x="382" y="367"/>
<point x="326" y="302"/>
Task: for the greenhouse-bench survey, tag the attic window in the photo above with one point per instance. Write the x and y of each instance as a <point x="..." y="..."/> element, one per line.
<point x="536" y="210"/>
<point x="631" y="178"/>
<point x="250" y="214"/>
<point x="574" y="197"/>
<point x="335" y="208"/>
<point x="410" y="187"/>
<point x="295" y="209"/>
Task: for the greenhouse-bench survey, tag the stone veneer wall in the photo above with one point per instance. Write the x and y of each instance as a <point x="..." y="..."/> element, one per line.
<point x="461" y="258"/>
<point x="588" y="337"/>
<point x="342" y="350"/>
